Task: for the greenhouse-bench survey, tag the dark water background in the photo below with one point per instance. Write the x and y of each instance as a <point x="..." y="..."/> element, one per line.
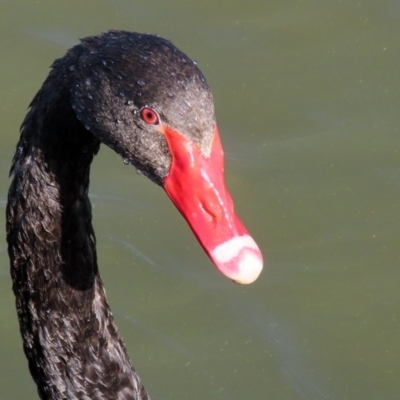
<point x="307" y="101"/>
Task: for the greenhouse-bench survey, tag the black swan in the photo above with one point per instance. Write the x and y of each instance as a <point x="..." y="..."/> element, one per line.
<point x="141" y="96"/>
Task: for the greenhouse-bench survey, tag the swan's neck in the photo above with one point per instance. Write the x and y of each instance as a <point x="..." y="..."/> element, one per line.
<point x="69" y="336"/>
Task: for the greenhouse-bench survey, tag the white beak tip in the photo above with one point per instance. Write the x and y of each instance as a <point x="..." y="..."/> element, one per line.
<point x="239" y="259"/>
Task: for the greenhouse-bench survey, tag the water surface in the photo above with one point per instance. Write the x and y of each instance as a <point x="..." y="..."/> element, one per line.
<point x="307" y="101"/>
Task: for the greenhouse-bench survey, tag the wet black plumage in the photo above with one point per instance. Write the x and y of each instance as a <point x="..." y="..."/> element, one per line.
<point x="91" y="96"/>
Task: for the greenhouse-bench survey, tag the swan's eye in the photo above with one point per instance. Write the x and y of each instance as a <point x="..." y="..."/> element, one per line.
<point x="149" y="116"/>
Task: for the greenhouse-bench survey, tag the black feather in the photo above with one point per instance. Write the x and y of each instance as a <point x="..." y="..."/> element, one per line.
<point x="91" y="95"/>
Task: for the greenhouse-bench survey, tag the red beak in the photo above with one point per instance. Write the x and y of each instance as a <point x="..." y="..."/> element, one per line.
<point x="196" y="185"/>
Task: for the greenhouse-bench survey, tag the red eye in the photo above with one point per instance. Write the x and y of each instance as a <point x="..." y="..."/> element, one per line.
<point x="149" y="116"/>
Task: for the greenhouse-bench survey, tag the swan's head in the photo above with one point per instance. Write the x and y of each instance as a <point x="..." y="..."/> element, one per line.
<point x="149" y="102"/>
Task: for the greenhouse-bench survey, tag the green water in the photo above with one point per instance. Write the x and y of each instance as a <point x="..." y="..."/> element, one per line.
<point x="307" y="100"/>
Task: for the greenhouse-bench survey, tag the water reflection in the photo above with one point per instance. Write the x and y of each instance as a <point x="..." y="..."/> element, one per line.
<point x="300" y="374"/>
